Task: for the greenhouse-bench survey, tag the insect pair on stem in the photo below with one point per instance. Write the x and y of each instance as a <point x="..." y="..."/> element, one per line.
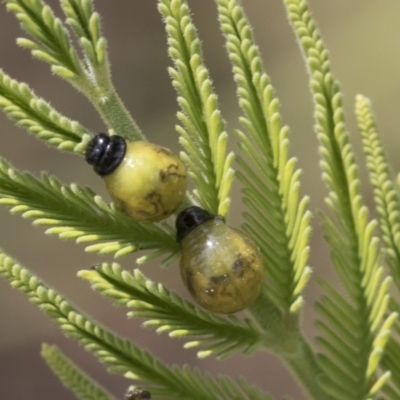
<point x="220" y="266"/>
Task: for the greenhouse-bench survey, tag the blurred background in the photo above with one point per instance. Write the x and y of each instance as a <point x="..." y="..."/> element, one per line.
<point x="363" y="39"/>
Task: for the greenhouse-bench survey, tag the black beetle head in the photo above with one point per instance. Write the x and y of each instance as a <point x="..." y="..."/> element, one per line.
<point x="190" y="218"/>
<point x="105" y="153"/>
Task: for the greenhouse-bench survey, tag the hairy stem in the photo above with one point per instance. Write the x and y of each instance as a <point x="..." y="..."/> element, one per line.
<point x="115" y="114"/>
<point x="289" y="344"/>
<point x="301" y="361"/>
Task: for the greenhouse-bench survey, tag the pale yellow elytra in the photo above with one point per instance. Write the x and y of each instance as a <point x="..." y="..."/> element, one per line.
<point x="145" y="180"/>
<point x="220" y="266"/>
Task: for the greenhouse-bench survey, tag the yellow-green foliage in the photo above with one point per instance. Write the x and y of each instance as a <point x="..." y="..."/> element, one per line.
<point x="358" y="350"/>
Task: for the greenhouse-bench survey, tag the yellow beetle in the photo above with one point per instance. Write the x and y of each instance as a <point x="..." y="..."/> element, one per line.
<point x="221" y="267"/>
<point x="145" y="180"/>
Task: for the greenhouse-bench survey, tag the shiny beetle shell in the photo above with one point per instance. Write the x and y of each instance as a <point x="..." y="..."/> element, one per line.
<point x="145" y="180"/>
<point x="221" y="267"/>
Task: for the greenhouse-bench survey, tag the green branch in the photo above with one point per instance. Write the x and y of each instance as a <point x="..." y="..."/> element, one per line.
<point x="289" y="344"/>
<point x="91" y="73"/>
<point x="355" y="250"/>
<point x="387" y="204"/>
<point x="386" y="197"/>
<point x="20" y="104"/>
<point x="276" y="217"/>
<point x="202" y="129"/>
<point x="72" y="212"/>
<point x="120" y="355"/>
<point x="83" y="387"/>
<point x="168" y="312"/>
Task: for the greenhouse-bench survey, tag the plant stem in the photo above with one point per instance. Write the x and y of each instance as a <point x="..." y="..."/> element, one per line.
<point x="287" y="342"/>
<point x="302" y="363"/>
<point x="115" y="114"/>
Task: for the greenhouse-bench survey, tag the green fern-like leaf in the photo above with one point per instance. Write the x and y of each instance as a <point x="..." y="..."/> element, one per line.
<point x="89" y="74"/>
<point x="168" y="312"/>
<point x="277" y="218"/>
<point x="386" y="198"/>
<point x="202" y="129"/>
<point x="353" y="333"/>
<point x="120" y="355"/>
<point x="358" y="330"/>
<point x="19" y="102"/>
<point x="72" y="212"/>
<point x="387" y="204"/>
<point x="52" y="42"/>
<point x="72" y="376"/>
<point x="391" y="358"/>
<point x="85" y="23"/>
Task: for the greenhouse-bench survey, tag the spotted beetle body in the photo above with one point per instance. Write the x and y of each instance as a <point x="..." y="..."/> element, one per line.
<point x="145" y="180"/>
<point x="221" y="267"/>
